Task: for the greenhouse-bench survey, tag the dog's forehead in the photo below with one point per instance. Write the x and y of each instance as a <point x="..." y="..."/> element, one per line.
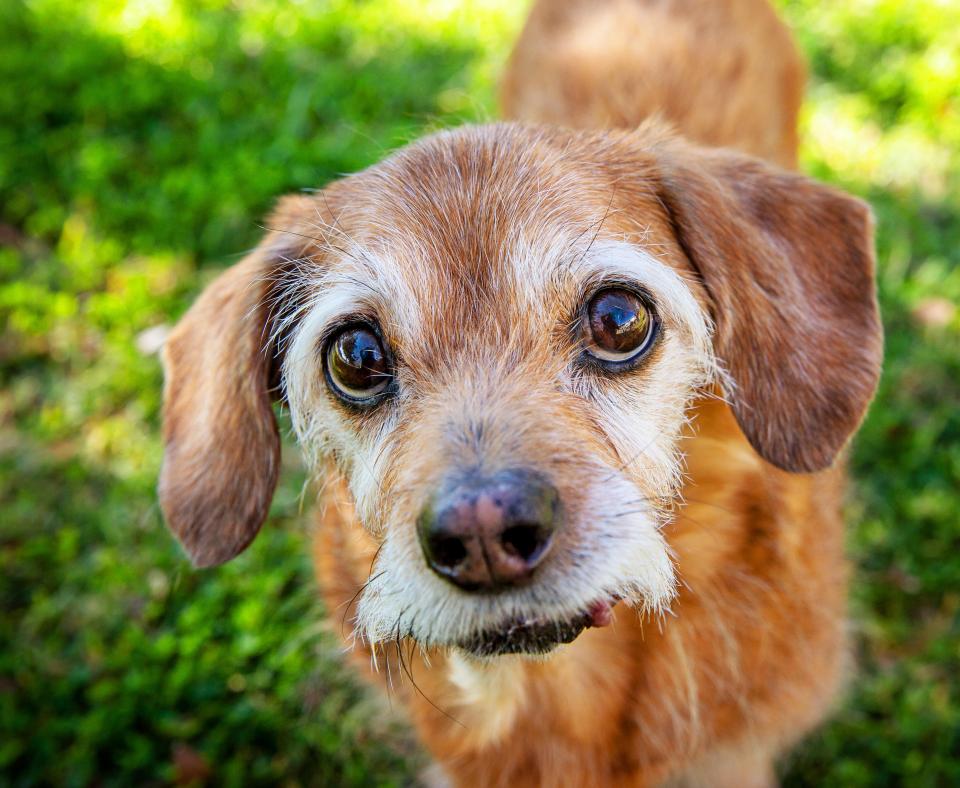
<point x="459" y="206"/>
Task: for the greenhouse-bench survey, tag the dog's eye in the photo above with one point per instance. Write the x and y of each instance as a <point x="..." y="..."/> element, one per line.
<point x="358" y="366"/>
<point x="620" y="324"/>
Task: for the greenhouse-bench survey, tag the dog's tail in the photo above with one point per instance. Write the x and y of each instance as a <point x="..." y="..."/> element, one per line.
<point x="722" y="72"/>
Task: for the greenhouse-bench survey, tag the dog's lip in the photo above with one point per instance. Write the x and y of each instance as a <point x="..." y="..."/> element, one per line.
<point x="538" y="635"/>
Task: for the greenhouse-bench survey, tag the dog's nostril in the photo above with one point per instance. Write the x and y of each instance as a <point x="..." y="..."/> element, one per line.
<point x="447" y="551"/>
<point x="525" y="540"/>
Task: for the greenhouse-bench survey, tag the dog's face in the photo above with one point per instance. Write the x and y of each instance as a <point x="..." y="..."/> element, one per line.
<point x="522" y="354"/>
<point x="495" y="336"/>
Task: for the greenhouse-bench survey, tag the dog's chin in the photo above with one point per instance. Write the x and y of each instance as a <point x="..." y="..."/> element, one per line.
<point x="535" y="636"/>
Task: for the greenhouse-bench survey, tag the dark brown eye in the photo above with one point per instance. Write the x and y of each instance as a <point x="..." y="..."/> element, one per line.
<point x="358" y="367"/>
<point x="621" y="326"/>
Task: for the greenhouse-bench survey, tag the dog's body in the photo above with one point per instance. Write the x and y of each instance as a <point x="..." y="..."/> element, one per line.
<point x="669" y="495"/>
<point x="723" y="73"/>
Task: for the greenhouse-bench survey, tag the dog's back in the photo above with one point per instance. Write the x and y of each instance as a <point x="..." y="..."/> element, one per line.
<point x="722" y="72"/>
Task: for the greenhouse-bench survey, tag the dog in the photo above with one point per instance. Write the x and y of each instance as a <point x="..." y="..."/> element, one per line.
<point x="578" y="388"/>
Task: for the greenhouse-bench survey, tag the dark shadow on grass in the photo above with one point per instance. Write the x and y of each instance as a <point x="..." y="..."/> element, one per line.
<point x="187" y="157"/>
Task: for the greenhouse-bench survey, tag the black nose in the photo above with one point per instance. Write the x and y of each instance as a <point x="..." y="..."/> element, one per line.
<point x="489" y="533"/>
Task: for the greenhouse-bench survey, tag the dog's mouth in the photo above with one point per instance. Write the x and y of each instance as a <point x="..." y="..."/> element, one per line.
<point x="537" y="635"/>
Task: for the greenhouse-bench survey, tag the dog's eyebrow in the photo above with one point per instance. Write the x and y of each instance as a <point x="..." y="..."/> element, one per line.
<point x="609" y="258"/>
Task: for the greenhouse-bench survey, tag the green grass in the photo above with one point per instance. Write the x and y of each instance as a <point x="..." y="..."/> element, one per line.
<point x="140" y="143"/>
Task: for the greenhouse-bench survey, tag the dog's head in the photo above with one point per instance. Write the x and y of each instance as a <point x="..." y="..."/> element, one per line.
<point x="495" y="334"/>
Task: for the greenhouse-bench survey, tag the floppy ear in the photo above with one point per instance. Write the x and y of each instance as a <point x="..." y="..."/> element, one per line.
<point x="222" y="447"/>
<point x="788" y="265"/>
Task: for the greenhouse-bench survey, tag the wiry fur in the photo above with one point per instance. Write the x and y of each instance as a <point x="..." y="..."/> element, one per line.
<point x="699" y="488"/>
<point x="614" y="496"/>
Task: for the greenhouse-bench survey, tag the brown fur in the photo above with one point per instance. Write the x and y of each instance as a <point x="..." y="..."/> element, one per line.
<point x="724" y="72"/>
<point x="766" y="248"/>
<point x="222" y="447"/>
<point x="754" y="649"/>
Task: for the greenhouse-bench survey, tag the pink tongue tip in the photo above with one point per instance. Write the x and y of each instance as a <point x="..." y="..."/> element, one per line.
<point x="601" y="613"/>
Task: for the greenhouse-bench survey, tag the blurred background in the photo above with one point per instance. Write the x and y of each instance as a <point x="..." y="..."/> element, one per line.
<point x="141" y="143"/>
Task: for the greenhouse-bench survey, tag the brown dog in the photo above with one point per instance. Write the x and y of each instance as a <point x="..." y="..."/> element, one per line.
<point x="577" y="398"/>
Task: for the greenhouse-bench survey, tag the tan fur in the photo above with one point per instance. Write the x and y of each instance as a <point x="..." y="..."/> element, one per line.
<point x="472" y="250"/>
<point x="724" y="72"/>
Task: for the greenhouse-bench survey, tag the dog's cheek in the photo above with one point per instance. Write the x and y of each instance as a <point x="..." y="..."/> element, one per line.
<point x="326" y="433"/>
<point x="643" y="417"/>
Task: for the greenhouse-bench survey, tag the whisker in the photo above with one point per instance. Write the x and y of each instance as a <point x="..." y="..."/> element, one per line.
<point x="347" y="605"/>
<point x="409" y="674"/>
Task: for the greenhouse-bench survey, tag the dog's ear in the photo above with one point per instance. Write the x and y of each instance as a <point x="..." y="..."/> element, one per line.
<point x="788" y="265"/>
<point x="221" y="443"/>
